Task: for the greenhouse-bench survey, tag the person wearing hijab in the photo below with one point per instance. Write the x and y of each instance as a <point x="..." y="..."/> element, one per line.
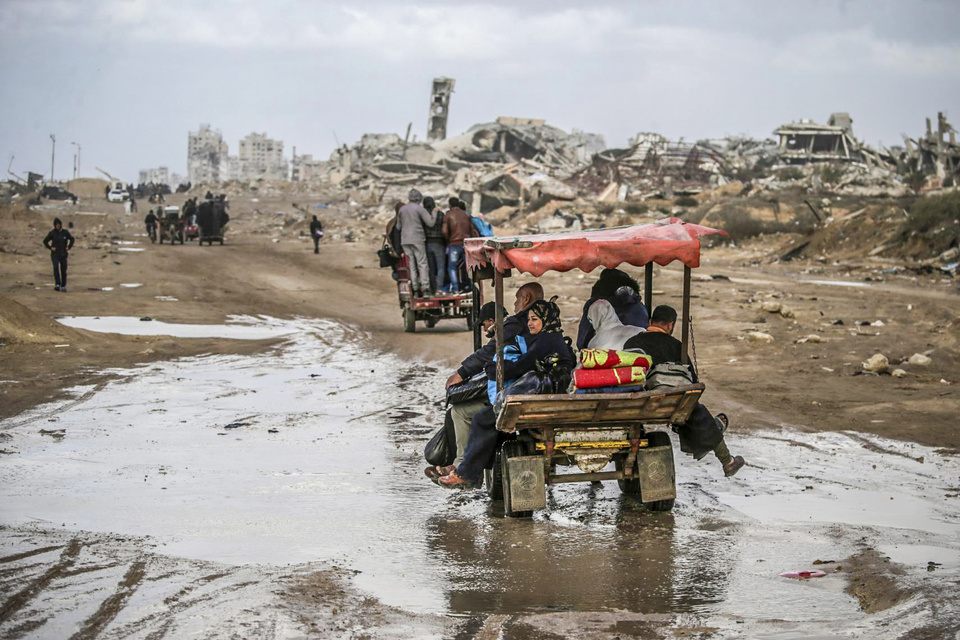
<point x="621" y="291"/>
<point x="608" y="332"/>
<point x="545" y="340"/>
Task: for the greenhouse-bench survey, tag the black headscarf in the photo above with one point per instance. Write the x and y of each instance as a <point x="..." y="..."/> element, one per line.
<point x="549" y="313"/>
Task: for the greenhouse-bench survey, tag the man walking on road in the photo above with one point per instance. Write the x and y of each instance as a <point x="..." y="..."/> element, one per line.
<point x="59" y="242"/>
<point x="316" y="232"/>
<point x="411" y="219"/>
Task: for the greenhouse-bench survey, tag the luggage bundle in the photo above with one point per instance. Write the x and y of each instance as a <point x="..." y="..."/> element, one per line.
<point x="611" y="371"/>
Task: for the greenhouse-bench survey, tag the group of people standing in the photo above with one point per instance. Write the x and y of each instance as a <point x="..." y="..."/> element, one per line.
<point x="432" y="240"/>
<point x="614" y="317"/>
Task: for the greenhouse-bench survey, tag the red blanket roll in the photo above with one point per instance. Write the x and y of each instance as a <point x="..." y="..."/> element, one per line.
<point x="592" y="378"/>
<point x="610" y="358"/>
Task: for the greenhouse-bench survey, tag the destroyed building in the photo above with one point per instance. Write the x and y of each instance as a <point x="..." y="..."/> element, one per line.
<point x="934" y="153"/>
<point x="806" y="141"/>
<point x="260" y="157"/>
<point x="206" y="152"/>
<point x="160" y="175"/>
<point x="439" y="108"/>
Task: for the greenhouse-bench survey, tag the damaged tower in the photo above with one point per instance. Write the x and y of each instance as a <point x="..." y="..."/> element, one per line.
<point x="439" y="107"/>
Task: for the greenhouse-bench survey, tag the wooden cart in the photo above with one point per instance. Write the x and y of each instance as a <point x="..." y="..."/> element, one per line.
<point x="589" y="430"/>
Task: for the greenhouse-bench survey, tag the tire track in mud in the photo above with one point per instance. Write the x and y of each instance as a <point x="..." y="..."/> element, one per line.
<point x="112" y="606"/>
<point x="19" y="600"/>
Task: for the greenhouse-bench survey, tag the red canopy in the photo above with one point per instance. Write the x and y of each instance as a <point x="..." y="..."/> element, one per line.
<point x="661" y="242"/>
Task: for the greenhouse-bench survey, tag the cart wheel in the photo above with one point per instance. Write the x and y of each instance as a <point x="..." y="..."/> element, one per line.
<point x="493" y="478"/>
<point x="510" y="449"/>
<point x="409" y="320"/>
<point x="431" y="323"/>
<point x="660" y="439"/>
<point x="631" y="486"/>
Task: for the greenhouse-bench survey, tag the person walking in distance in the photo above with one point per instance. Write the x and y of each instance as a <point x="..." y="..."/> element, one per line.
<point x="412" y="218"/>
<point x="316" y="232"/>
<point x="59" y="242"/>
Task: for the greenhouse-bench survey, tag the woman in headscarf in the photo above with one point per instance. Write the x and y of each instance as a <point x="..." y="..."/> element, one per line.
<point x="608" y="331"/>
<point x="620" y="290"/>
<point x="545" y="341"/>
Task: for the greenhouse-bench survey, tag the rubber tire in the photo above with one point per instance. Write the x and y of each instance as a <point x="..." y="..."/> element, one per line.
<point x="629" y="487"/>
<point x="510" y="449"/>
<point x="660" y="439"/>
<point x="409" y="320"/>
<point x="493" y="479"/>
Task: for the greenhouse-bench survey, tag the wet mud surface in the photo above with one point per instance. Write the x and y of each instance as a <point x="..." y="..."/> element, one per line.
<point x="282" y="496"/>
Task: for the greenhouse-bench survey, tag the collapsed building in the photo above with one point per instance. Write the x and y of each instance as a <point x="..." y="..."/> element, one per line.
<point x="933" y="153"/>
<point x="806" y="141"/>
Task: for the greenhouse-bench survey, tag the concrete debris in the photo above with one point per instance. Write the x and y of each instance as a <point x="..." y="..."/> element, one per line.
<point x="812" y="338"/>
<point x="877" y="363"/>
<point x="898" y="373"/>
<point x="759" y="336"/>
<point x="919" y="360"/>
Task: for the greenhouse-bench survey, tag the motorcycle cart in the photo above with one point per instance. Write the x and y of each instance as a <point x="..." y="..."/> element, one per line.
<point x="211" y="220"/>
<point x="589" y="430"/>
<point x="171" y="227"/>
<point x="432" y="309"/>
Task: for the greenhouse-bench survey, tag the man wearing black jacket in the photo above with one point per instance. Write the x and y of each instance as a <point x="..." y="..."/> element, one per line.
<point x="59" y="242"/>
<point x="702" y="432"/>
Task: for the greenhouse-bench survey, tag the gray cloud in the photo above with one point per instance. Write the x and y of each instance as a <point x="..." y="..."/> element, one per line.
<point x="129" y="78"/>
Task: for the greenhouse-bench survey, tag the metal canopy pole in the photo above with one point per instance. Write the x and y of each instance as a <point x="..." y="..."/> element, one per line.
<point x="498" y="324"/>
<point x="648" y="287"/>
<point x="685" y="330"/>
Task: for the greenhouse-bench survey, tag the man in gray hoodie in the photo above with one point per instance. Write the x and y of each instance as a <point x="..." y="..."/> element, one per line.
<point x="411" y="220"/>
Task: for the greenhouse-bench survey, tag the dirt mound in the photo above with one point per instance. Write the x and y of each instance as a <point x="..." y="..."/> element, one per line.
<point x="18" y="324"/>
<point x="87" y="187"/>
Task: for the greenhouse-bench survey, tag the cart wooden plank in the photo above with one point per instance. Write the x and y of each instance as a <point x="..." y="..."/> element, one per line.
<point x="671" y="405"/>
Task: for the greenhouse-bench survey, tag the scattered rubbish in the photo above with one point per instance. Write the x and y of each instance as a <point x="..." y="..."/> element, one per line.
<point x="802" y="575"/>
<point x="812" y="338"/>
<point x="146" y="319"/>
<point x="817" y="562"/>
<point x="273" y="431"/>
<point x="932" y="566"/>
<point x="131" y="285"/>
<point x="898" y="373"/>
<point x="235" y="425"/>
<point x="166" y="298"/>
<point x="838" y="321"/>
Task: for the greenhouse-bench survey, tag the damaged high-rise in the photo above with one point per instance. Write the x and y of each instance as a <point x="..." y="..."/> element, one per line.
<point x="206" y="152"/>
<point x="439" y="108"/>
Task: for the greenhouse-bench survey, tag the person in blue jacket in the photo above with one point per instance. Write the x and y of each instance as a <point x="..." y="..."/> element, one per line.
<point x="545" y="341"/>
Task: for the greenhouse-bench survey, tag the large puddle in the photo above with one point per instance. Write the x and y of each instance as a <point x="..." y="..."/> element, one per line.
<point x="312" y="453"/>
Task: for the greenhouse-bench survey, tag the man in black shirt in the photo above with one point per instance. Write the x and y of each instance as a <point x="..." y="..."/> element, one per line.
<point x="59" y="241"/>
<point x="702" y="432"/>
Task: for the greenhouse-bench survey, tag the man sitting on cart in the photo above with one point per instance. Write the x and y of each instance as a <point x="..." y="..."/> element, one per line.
<point x="545" y="340"/>
<point x="702" y="432"/>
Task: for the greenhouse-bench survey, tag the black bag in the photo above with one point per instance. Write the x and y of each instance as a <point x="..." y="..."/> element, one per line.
<point x="469" y="389"/>
<point x="442" y="448"/>
<point x="386" y="257"/>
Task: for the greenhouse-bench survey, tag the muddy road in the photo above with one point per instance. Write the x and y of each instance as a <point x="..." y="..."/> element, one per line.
<point x="281" y="495"/>
<point x="270" y="485"/>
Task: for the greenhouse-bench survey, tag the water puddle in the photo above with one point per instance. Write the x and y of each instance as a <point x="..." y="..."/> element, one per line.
<point x="313" y="453"/>
<point x="241" y="327"/>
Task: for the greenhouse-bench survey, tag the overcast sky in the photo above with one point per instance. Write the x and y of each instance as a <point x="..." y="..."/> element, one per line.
<point x="127" y="79"/>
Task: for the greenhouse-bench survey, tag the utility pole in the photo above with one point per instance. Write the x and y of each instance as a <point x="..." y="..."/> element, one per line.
<point x="78" y="158"/>
<point x="53" y="153"/>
